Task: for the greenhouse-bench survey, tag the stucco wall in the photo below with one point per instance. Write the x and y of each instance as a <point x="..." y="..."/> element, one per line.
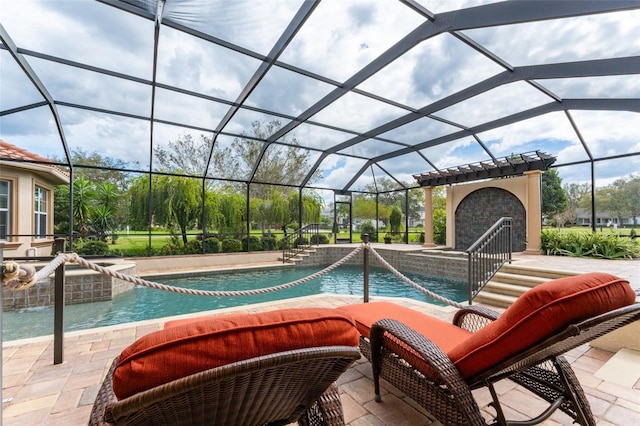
<point x="23" y="179"/>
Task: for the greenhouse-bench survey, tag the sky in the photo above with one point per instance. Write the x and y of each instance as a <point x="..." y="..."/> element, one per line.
<point x="338" y="40"/>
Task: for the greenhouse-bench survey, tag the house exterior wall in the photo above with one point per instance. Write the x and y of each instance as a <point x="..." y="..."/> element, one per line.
<point x="23" y="180"/>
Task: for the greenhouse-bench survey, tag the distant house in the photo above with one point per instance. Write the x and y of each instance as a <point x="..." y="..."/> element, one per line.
<point x="26" y="201"/>
<point x="603" y="219"/>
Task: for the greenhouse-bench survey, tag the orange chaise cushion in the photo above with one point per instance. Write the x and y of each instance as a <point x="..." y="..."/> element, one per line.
<point x="191" y="346"/>
<point x="538" y="313"/>
<point x="441" y="333"/>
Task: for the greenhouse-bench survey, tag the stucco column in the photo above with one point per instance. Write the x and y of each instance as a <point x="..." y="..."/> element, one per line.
<point x="428" y="217"/>
<point x="534" y="211"/>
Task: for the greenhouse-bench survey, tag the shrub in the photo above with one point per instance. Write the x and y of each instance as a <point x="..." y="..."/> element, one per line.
<point x="169" y="250"/>
<point x="211" y="245"/>
<point x="580" y="244"/>
<point x="439" y="226"/>
<point x="90" y="248"/>
<point x="301" y="241"/>
<point x="173" y="249"/>
<point x="231" y="245"/>
<point x="319" y="239"/>
<point x="206" y="236"/>
<point x="253" y="242"/>
<point x="192" y="247"/>
<point x="136" y="251"/>
<point x="268" y="243"/>
<point x="368" y="228"/>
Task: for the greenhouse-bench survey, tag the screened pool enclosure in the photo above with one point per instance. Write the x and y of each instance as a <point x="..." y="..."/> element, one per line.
<point x="272" y="114"/>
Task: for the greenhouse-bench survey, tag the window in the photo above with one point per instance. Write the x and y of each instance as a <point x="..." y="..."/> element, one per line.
<point x="40" y="212"/>
<point x="4" y="209"/>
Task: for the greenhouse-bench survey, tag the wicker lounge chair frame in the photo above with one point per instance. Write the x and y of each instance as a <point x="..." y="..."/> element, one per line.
<point x="447" y="396"/>
<point x="275" y="389"/>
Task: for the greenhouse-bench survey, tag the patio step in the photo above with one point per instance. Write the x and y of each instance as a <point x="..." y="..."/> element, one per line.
<point x="516" y="279"/>
<point x="536" y="271"/>
<point x="494" y="299"/>
<point x="512" y="280"/>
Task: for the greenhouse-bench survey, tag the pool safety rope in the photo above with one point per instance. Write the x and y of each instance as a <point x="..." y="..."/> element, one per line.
<point x="418" y="287"/>
<point x="21" y="277"/>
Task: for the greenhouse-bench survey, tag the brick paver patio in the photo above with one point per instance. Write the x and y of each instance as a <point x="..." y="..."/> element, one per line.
<point x="36" y="392"/>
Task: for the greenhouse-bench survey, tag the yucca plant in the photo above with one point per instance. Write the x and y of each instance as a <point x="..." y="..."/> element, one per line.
<point x="580" y="244"/>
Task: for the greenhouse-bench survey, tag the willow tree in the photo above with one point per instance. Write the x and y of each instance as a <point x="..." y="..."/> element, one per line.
<point x="312" y="204"/>
<point x="231" y="213"/>
<point x="271" y="210"/>
<point x="187" y="154"/>
<point x="175" y="201"/>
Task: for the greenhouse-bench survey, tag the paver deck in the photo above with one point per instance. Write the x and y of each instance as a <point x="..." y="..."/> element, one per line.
<point x="36" y="392"/>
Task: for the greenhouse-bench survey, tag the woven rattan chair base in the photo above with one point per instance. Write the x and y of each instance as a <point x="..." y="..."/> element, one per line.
<point x="447" y="396"/>
<point x="276" y="389"/>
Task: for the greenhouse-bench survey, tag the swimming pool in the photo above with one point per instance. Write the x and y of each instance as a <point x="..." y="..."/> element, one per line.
<point x="143" y="303"/>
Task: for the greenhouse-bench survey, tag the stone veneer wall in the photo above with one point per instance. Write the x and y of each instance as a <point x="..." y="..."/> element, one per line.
<point x="484" y="207"/>
<point x="81" y="286"/>
<point x="444" y="264"/>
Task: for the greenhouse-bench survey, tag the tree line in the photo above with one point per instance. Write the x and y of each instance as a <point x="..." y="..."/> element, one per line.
<point x="177" y="198"/>
<point x="562" y="204"/>
<point x="107" y="198"/>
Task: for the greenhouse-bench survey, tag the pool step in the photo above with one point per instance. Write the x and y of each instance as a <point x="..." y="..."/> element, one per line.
<point x="300" y="256"/>
<point x="511" y="281"/>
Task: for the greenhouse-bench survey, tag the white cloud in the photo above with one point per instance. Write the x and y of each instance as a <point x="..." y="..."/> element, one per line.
<point x="82" y="31"/>
<point x="508" y="139"/>
<point x="331" y="41"/>
<point x="338" y="170"/>
<point x="621" y="86"/>
<point x="499" y="102"/>
<point x="339" y="39"/>
<point x="357" y="112"/>
<point x="564" y="40"/>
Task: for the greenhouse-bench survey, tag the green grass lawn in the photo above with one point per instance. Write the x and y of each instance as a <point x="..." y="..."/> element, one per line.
<point x="587" y="229"/>
<point x="138" y="241"/>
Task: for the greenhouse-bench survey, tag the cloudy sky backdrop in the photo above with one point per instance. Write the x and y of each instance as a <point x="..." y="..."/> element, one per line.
<point x="109" y="111"/>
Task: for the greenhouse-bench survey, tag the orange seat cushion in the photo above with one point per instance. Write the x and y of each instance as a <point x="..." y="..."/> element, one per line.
<point x="441" y="333"/>
<point x="191" y="346"/>
<point x="540" y="312"/>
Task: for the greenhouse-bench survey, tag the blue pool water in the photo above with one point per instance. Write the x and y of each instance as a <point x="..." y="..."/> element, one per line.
<point x="144" y="303"/>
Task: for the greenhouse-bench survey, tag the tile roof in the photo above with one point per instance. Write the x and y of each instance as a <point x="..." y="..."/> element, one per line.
<point x="8" y="150"/>
<point x="11" y="152"/>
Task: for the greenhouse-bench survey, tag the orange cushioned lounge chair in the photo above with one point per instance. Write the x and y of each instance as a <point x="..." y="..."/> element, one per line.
<point x="438" y="364"/>
<point x="270" y="368"/>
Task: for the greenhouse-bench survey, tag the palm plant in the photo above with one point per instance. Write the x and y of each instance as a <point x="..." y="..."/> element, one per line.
<point x="83" y="194"/>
